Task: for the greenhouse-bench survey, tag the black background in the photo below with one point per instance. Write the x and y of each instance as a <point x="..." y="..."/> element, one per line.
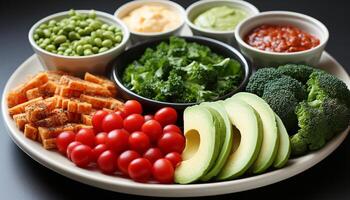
<point x="23" y="178"/>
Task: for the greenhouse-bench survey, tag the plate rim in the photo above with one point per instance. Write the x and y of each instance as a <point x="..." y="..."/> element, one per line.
<point x="162" y="190"/>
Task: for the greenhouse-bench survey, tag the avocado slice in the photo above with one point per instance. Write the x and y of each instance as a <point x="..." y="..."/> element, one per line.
<point x="270" y="141"/>
<point x="246" y="139"/>
<point x="284" y="148"/>
<point x="202" y="144"/>
<point x="225" y="133"/>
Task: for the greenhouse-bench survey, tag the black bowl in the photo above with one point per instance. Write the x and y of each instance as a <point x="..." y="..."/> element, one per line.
<point x="135" y="52"/>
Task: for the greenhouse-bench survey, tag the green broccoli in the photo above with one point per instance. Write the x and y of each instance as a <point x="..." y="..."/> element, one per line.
<point x="261" y="77"/>
<point x="298" y="145"/>
<point x="322" y="85"/>
<point x="287" y="83"/>
<point x="298" y="72"/>
<point x="283" y="103"/>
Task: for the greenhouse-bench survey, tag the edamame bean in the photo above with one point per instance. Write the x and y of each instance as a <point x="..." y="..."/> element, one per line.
<point x="60" y="39"/>
<point x="87" y="52"/>
<point x="107" y="43"/>
<point x="103" y="49"/>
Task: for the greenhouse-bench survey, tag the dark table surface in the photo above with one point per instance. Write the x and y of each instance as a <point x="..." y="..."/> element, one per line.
<point x="23" y="178"/>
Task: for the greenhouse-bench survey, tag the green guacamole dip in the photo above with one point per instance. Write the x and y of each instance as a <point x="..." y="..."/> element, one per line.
<point x="221" y="18"/>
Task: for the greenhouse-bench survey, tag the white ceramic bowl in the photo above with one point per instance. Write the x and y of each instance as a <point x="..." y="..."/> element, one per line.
<point x="306" y="23"/>
<point x="199" y="7"/>
<point x="78" y="65"/>
<point x="139" y="36"/>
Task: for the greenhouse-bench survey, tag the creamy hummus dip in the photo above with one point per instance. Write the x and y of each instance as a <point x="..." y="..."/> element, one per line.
<point x="152" y="19"/>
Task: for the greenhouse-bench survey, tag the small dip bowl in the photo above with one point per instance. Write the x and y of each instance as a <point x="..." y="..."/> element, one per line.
<point x="140" y="36"/>
<point x="199" y="7"/>
<point x="261" y="58"/>
<point x="78" y="65"/>
<point x="135" y="52"/>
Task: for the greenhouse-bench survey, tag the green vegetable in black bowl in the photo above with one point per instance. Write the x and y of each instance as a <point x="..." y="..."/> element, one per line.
<point x="183" y="72"/>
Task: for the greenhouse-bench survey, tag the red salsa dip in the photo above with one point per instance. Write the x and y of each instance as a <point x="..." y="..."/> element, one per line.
<point x="280" y="38"/>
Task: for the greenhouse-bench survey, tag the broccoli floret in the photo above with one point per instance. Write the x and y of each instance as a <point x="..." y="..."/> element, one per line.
<point x="338" y="116"/>
<point x="298" y="72"/>
<point x="283" y="102"/>
<point x="261" y="77"/>
<point x="298" y="145"/>
<point x="322" y="85"/>
<point x="290" y="84"/>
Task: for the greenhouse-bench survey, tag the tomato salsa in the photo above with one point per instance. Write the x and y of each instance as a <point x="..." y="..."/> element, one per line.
<point x="281" y="38"/>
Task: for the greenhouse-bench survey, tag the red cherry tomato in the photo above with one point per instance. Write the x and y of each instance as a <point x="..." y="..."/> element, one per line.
<point x="172" y="127"/>
<point x="133" y="122"/>
<point x="63" y="140"/>
<point x="101" y="138"/>
<point x="112" y="121"/>
<point x="153" y="129"/>
<point x="117" y="140"/>
<point x="171" y="142"/>
<point x="125" y="159"/>
<point x="98" y="150"/>
<point x="148" y="117"/>
<point x="86" y="136"/>
<point x="97" y="119"/>
<point x="106" y="162"/>
<point x="153" y="154"/>
<point x="140" y="170"/>
<point x="139" y="141"/>
<point x="163" y="171"/>
<point x="70" y="148"/>
<point x="81" y="155"/>
<point x="174" y="157"/>
<point x="166" y="115"/>
<point x="121" y="114"/>
<point x="132" y="107"/>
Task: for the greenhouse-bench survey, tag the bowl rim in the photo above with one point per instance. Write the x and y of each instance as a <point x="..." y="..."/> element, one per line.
<point x="189" y="9"/>
<point x="117" y="22"/>
<point x="155" y="34"/>
<point x="246" y="66"/>
<point x="291" y="16"/>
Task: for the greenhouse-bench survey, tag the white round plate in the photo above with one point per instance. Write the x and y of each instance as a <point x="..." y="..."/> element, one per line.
<point x="60" y="164"/>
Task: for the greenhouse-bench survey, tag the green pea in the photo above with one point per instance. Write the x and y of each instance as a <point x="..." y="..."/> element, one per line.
<point x="73" y="35"/>
<point x="87" y="52"/>
<point x="68" y="51"/>
<point x="108" y="35"/>
<point x="95" y="25"/>
<point x="43" y="26"/>
<point x="103" y="49"/>
<point x="60" y="39"/>
<point x="71" y="12"/>
<point x="111" y="28"/>
<point x="88" y="30"/>
<point x="47" y="32"/>
<point x="87" y="46"/>
<point x="92" y="14"/>
<point x="104" y="27"/>
<point x="61" y="32"/>
<point x="65" y="44"/>
<point x="61" y="48"/>
<point x="75" y="18"/>
<point x="81" y="32"/>
<point x="35" y="36"/>
<point x="118" y="39"/>
<point x="98" y="42"/>
<point x="107" y="43"/>
<point x="80" y="49"/>
<point x="46" y="41"/>
<point x="40" y="40"/>
<point x="42" y="45"/>
<point x="50" y="47"/>
<point x="60" y="52"/>
<point x="55" y="29"/>
<point x="68" y="28"/>
<point x="95" y="49"/>
<point x="99" y="33"/>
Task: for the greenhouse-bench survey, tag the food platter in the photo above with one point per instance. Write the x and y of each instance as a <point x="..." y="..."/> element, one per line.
<point x="61" y="165"/>
<point x="241" y="122"/>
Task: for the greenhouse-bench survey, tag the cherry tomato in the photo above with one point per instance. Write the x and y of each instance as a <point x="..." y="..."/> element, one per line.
<point x="97" y="119"/>
<point x="132" y="107"/>
<point x="133" y="122"/>
<point x="148" y="117"/>
<point x="106" y="162"/>
<point x="81" y="155"/>
<point x="125" y="159"/>
<point x="139" y="141"/>
<point x="121" y="114"/>
<point x="172" y="127"/>
<point x="171" y="142"/>
<point x="86" y="136"/>
<point x="70" y="148"/>
<point x="117" y="140"/>
<point x="63" y="140"/>
<point x="112" y="121"/>
<point x="163" y="171"/>
<point x="140" y="170"/>
<point x="98" y="150"/>
<point x="153" y="154"/>
<point x="166" y="115"/>
<point x="174" y="157"/>
<point x="101" y="138"/>
<point x="153" y="129"/>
